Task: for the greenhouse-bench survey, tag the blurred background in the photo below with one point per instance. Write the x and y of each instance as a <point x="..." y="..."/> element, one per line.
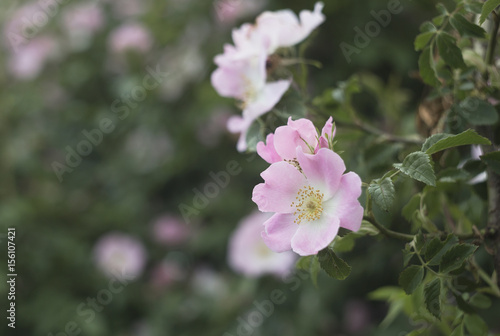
<point x="109" y="133"/>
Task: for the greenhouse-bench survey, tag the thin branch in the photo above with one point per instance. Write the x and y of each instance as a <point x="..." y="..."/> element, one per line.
<point x="386" y="231"/>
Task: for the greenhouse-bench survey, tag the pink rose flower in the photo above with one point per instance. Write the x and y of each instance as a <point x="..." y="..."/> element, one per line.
<point x="243" y="76"/>
<point x="170" y="230"/>
<point x="241" y="71"/>
<point x="249" y="255"/>
<point x="301" y="133"/>
<point x="119" y="255"/>
<point x="130" y="36"/>
<point x="311" y="200"/>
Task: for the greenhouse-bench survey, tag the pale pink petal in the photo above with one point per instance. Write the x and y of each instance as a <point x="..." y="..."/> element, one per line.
<point x="323" y="170"/>
<point x="265" y="100"/>
<point x="279" y="230"/>
<point x="282" y="183"/>
<point x="328" y="132"/>
<point x="294" y="134"/>
<point x="312" y="237"/>
<point x="228" y="83"/>
<point x="328" y="129"/>
<point x="344" y="204"/>
<point x="284" y="27"/>
<point x="237" y="124"/>
<point x="267" y="150"/>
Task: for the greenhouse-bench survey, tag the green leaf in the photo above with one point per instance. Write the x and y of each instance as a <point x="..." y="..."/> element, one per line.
<point x="458" y="331"/>
<point x="333" y="265"/>
<point x="422" y="39"/>
<point x="475" y="325"/>
<point x="488" y="7"/>
<point x="418" y="166"/>
<point x="465" y="27"/>
<point x="432" y="293"/>
<point x="477" y="111"/>
<point x="480" y="301"/>
<point x="344" y="244"/>
<point x="433" y="247"/>
<point x="383" y="193"/>
<point x="407" y="256"/>
<point x="427" y="27"/>
<point x="455" y="256"/>
<point x="448" y="50"/>
<point x="492" y="160"/>
<point x="427" y="67"/>
<point x="411" y="278"/>
<point x="447" y="244"/>
<point x="452" y="175"/>
<point x="442" y="141"/>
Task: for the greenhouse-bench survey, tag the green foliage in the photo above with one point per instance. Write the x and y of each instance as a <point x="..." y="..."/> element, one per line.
<point x="411" y="278"/>
<point x="492" y="160"/>
<point x="477" y="111"/>
<point x="333" y="265"/>
<point x="475" y="325"/>
<point x="382" y="192"/>
<point x="455" y="256"/>
<point x="417" y="165"/>
<point x="488" y="7"/>
<point x="441" y="141"/>
<point x="448" y="50"/>
<point x="465" y="27"/>
<point x="432" y="292"/>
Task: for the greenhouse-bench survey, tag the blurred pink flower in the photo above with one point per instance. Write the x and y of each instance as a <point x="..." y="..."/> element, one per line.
<point x="83" y="17"/>
<point x="80" y="22"/>
<point x="242" y="75"/>
<point x="130" y="36"/>
<point x="119" y="255"/>
<point x="20" y="28"/>
<point x="249" y="255"/>
<point x="312" y="198"/>
<point x="242" y="72"/>
<point x="301" y="133"/>
<point x="31" y="58"/>
<point x="170" y="230"/>
<point x="228" y="11"/>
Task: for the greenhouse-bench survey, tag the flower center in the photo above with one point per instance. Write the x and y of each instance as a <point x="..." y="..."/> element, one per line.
<point x="308" y="205"/>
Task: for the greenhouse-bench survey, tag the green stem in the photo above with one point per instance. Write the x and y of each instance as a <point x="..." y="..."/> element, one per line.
<point x="385" y="136"/>
<point x="386" y="231"/>
<point x="490" y="53"/>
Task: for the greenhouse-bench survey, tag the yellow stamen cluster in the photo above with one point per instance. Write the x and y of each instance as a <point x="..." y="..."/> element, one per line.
<point x="309" y="205"/>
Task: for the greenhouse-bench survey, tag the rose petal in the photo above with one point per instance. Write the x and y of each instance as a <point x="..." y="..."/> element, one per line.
<point x="295" y="134"/>
<point x="323" y="170"/>
<point x="282" y="182"/>
<point x="344" y="204"/>
<point x="279" y="230"/>
<point x="311" y="237"/>
<point x="267" y="150"/>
